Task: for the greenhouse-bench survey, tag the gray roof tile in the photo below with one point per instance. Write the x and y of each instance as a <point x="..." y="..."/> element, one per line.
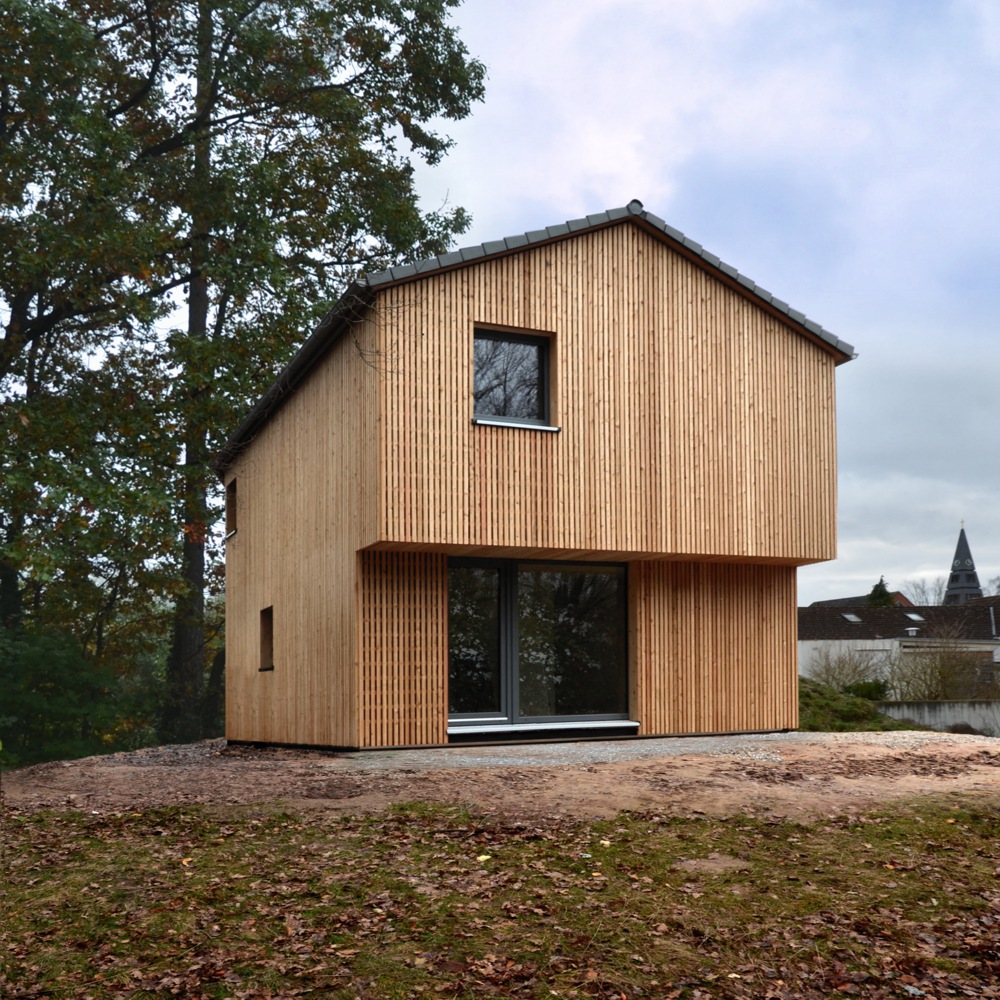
<point x="963" y="622"/>
<point x="634" y="210"/>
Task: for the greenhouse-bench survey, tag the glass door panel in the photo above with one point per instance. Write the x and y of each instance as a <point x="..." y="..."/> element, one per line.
<point x="571" y="641"/>
<point x="474" y="681"/>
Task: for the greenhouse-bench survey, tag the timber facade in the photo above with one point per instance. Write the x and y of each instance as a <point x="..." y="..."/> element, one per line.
<point x="555" y="485"/>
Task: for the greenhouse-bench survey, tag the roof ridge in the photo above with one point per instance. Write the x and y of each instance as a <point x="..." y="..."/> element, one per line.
<point x="634" y="209"/>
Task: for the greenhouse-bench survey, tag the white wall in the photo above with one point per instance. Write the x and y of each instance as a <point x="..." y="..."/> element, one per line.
<point x="809" y="650"/>
<point x="981" y="715"/>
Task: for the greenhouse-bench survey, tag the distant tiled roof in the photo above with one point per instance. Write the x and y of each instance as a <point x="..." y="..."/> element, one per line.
<point x="969" y="621"/>
<point x="352" y="303"/>
<point x="899" y="599"/>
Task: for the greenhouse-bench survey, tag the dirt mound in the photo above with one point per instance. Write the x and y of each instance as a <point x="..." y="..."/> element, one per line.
<point x="797" y="775"/>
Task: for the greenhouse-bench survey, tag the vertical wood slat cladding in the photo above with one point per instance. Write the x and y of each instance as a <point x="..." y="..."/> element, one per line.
<point x="307" y="501"/>
<point x="403" y="644"/>
<point x="697" y="443"/>
<point x="714" y="647"/>
<point x="693" y="423"/>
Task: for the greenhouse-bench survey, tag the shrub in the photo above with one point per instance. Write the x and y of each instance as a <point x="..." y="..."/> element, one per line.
<point x="55" y="703"/>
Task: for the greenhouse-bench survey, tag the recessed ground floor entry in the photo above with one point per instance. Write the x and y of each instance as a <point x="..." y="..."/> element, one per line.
<point x="536" y="646"/>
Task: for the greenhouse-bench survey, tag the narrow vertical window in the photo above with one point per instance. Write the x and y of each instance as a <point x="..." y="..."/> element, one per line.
<point x="267" y="639"/>
<point x="474" y="679"/>
<point x="231" y="508"/>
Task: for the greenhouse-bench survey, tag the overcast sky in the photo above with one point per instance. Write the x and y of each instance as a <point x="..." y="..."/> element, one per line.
<point x="842" y="153"/>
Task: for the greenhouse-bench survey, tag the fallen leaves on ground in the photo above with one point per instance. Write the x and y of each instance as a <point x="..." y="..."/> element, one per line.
<point x="434" y="901"/>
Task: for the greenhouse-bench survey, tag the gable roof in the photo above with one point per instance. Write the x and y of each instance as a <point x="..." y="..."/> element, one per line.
<point x="968" y="622"/>
<point x="363" y="289"/>
<point x="899" y="600"/>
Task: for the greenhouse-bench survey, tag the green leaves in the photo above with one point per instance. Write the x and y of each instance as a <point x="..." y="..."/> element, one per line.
<point x="221" y="167"/>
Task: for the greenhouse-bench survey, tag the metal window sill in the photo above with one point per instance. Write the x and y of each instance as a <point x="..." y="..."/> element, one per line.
<point x="518" y="424"/>
<point x="543" y="726"/>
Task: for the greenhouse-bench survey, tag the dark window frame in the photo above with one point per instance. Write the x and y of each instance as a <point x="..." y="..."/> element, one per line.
<point x="508" y="623"/>
<point x="231" y="508"/>
<point x="266" y="662"/>
<point x="544" y="344"/>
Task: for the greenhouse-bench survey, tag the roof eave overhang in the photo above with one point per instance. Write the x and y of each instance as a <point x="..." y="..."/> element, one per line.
<point x="659" y="230"/>
<point x="349" y="309"/>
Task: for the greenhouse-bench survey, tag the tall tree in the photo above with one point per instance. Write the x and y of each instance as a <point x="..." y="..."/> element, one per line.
<point x="83" y="272"/>
<point x="249" y="154"/>
<point x="926" y="592"/>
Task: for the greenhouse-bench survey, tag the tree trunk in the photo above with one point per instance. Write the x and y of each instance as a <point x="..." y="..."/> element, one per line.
<point x="212" y="706"/>
<point x="183" y="710"/>
<point x="11" y="602"/>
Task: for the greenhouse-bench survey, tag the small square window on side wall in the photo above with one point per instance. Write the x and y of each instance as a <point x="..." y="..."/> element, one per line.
<point x="511" y="380"/>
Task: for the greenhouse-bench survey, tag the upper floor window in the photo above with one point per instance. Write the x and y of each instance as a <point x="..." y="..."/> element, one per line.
<point x="511" y="380"/>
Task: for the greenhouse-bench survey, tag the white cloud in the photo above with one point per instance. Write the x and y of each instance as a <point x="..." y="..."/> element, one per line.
<point x="842" y="153"/>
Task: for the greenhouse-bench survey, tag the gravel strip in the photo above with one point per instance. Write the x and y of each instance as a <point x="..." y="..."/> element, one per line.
<point x="762" y="746"/>
<point x="755" y="746"/>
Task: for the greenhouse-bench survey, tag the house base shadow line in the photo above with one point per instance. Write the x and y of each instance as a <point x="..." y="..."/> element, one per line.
<point x="581" y="737"/>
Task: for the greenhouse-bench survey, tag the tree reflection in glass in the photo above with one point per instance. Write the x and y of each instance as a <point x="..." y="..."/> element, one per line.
<point x="571" y="637"/>
<point x="473" y="640"/>
<point x="509" y="378"/>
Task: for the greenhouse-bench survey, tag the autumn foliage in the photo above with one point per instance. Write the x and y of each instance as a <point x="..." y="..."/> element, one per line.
<point x="437" y="902"/>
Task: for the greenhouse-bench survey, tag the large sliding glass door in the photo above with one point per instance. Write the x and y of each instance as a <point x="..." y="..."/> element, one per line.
<point x="533" y="643"/>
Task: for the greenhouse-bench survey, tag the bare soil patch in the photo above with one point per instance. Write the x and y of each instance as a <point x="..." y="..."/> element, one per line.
<point x="794" y="775"/>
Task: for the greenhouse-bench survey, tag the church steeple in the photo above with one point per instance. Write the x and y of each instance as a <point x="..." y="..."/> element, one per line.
<point x="963" y="581"/>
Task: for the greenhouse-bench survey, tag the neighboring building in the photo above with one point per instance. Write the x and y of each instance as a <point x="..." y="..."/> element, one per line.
<point x="963" y="581"/>
<point x="871" y="639"/>
<point x="554" y="485"/>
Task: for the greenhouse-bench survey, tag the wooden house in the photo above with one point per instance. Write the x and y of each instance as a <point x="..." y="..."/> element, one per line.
<point x="555" y="485"/>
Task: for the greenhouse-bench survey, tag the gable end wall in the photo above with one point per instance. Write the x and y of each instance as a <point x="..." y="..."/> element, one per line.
<point x="693" y="423"/>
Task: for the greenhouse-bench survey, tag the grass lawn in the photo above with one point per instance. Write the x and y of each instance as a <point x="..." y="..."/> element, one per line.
<point x="435" y="902"/>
